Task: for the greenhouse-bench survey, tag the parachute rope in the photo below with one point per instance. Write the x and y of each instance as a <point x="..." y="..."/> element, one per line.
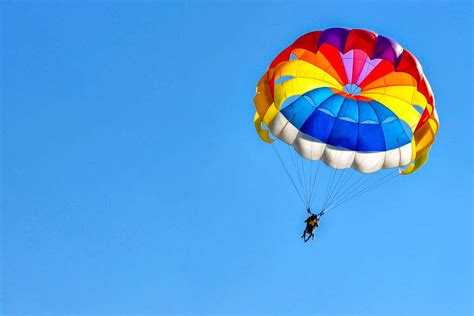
<point x="351" y="186"/>
<point x="342" y="185"/>
<point x="288" y="173"/>
<point x="394" y="174"/>
<point x="314" y="187"/>
<point x="294" y="161"/>
<point x="366" y="185"/>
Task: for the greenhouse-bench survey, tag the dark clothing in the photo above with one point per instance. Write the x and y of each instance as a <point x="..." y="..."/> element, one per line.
<point x="311" y="223"/>
<point x="313" y="220"/>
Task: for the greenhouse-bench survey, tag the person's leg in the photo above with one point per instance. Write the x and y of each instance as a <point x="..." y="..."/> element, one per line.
<point x="306" y="231"/>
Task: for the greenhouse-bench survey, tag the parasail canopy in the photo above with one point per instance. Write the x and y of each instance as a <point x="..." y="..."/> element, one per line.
<point x="351" y="98"/>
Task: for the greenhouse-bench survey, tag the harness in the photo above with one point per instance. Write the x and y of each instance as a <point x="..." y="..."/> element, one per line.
<point x="318" y="215"/>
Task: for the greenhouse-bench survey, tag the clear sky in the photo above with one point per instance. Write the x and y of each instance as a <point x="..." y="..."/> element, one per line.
<point x="133" y="182"/>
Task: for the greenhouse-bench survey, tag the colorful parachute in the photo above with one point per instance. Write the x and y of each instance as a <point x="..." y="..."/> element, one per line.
<point x="351" y="98"/>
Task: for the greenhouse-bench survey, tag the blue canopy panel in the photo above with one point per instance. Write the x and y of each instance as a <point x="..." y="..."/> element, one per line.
<point x="298" y="111"/>
<point x="347" y="123"/>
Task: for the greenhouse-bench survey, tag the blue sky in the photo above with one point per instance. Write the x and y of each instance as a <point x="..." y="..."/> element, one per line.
<point x="133" y="182"/>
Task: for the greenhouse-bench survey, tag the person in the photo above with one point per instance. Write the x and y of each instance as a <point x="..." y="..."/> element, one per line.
<point x="311" y="222"/>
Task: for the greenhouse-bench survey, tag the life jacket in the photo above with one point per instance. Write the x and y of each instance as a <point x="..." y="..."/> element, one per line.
<point x="313" y="221"/>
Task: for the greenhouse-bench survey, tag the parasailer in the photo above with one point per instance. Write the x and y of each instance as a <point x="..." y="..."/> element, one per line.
<point x="311" y="222"/>
<point x="352" y="99"/>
